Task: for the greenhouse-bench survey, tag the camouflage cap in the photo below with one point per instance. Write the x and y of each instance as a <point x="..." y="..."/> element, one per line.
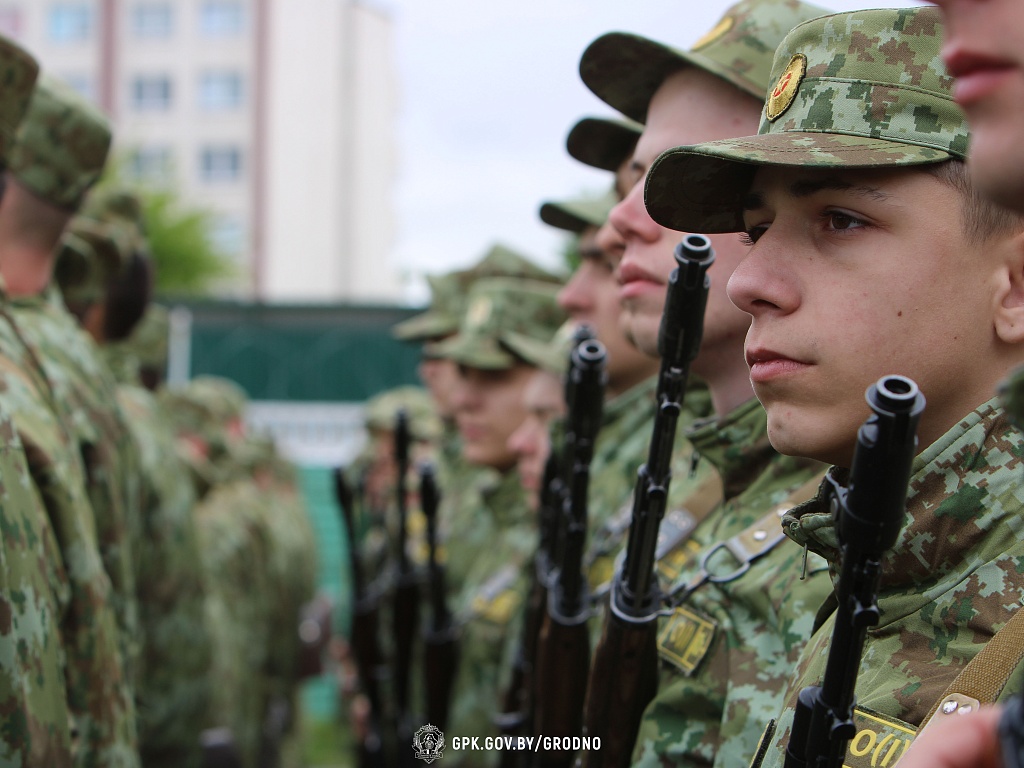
<point x="206" y="403"/>
<point x="852" y="90"/>
<point x="500" y="310"/>
<point x="121" y="208"/>
<point x="625" y="70"/>
<point x="442" y="318"/>
<point x="502" y="261"/>
<point x="18" y="73"/>
<point x="577" y="215"/>
<point x="551" y="355"/>
<point x="602" y="142"/>
<point x="381" y="412"/>
<point x="61" y="145"/>
<point x="89" y="254"/>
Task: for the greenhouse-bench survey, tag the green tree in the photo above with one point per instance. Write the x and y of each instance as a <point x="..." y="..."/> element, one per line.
<point x="188" y="261"/>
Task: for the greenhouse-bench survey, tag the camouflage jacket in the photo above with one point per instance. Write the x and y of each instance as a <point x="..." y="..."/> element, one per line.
<point x="953" y="579"/>
<point x="174" y="685"/>
<point x="83" y="388"/>
<point x="729" y="645"/>
<point x="99" y="696"/>
<point x="490" y="600"/>
<point x="33" y="589"/>
<point x="622" y="447"/>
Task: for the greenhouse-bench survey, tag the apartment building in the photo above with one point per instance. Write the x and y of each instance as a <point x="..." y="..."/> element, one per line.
<point x="276" y="115"/>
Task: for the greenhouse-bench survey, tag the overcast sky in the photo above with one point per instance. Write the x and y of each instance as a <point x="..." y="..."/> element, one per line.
<point x="488" y="91"/>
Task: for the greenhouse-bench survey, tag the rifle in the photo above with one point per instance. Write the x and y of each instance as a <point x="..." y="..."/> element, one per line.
<point x="563" y="647"/>
<point x="440" y="639"/>
<point x="624" y="676"/>
<point x="519" y="701"/>
<point x="365" y="638"/>
<point x="406" y="604"/>
<point x="869" y="516"/>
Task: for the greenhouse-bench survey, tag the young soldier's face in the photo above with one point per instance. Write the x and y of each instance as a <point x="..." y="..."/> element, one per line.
<point x="543" y="401"/>
<point x="984" y="51"/>
<point x="488" y="408"/>
<point x="439" y="375"/>
<point x="858" y="274"/>
<point x="591" y="296"/>
<point x="690" y="107"/>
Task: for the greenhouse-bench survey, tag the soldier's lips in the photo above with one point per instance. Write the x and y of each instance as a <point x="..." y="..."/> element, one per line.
<point x="766" y="365"/>
<point x="634" y="280"/>
<point x="977" y="75"/>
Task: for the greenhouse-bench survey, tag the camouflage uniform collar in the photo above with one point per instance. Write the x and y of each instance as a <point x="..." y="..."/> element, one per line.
<point x="636" y="401"/>
<point x="953" y="504"/>
<point x="504" y="499"/>
<point x="737" y="445"/>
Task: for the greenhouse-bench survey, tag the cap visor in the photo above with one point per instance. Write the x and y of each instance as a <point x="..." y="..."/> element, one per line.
<point x="701" y="188"/>
<point x="475" y="352"/>
<point x="429" y="325"/>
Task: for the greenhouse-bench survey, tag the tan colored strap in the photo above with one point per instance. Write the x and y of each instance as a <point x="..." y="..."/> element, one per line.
<point x="986" y="674"/>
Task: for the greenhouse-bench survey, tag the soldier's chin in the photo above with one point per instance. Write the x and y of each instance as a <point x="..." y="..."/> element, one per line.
<point x="642" y="332"/>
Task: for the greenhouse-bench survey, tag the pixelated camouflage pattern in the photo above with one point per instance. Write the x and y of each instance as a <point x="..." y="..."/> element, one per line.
<point x="33" y="593"/>
<point x="876" y="94"/>
<point x="235" y="551"/>
<point x="99" y="693"/>
<point x="714" y="714"/>
<point x="448" y="293"/>
<point x="18" y="73"/>
<point x="952" y="580"/>
<point x="89" y="255"/>
<point x="578" y="214"/>
<point x="602" y="142"/>
<point x="551" y="354"/>
<point x="60" y="146"/>
<point x="622" y="447"/>
<point x="495" y="309"/>
<point x="82" y="387"/>
<point x="491" y="597"/>
<point x="625" y="70"/>
<point x="121" y="209"/>
<point x="174" y="683"/>
<point x="442" y="317"/>
<point x="1011" y="394"/>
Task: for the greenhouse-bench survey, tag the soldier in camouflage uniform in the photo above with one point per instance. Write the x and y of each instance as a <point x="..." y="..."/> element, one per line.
<point x="173" y="674"/>
<point x="33" y="585"/>
<point x="500" y="312"/>
<point x="714" y="684"/>
<point x="864" y="224"/>
<point x="60" y="149"/>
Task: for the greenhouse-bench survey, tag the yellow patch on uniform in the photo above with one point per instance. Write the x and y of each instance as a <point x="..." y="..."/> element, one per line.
<point x="782" y="95"/>
<point x="479" y="312"/>
<point x="499" y="609"/>
<point x="685" y="638"/>
<point x="879" y="742"/>
<point x="672" y="564"/>
<point x="716" y="32"/>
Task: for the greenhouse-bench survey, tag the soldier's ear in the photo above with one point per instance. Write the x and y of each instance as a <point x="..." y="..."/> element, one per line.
<point x="1009" y="296"/>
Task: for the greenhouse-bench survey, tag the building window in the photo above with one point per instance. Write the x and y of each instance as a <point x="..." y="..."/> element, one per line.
<point x="70" y="22"/>
<point x="11" y="22"/>
<point x="228" y="235"/>
<point x="151" y="164"/>
<point x="151" y="93"/>
<point x="221" y="18"/>
<point x="220" y="90"/>
<point x="83" y="85"/>
<point x="152" y="20"/>
<point x="218" y="164"/>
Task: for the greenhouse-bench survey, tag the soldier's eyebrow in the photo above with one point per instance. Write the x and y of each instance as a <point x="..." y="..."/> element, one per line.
<point x="807" y="187"/>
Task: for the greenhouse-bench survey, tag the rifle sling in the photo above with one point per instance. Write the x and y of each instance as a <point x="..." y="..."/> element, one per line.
<point x="748" y="545"/>
<point x="985" y="676"/>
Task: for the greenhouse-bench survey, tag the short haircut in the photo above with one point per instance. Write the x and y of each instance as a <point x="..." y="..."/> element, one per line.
<point x="981" y="217"/>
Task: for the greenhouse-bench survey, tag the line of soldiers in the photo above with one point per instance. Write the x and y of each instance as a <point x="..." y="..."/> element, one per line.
<point x="155" y="558"/>
<point x="823" y="157"/>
